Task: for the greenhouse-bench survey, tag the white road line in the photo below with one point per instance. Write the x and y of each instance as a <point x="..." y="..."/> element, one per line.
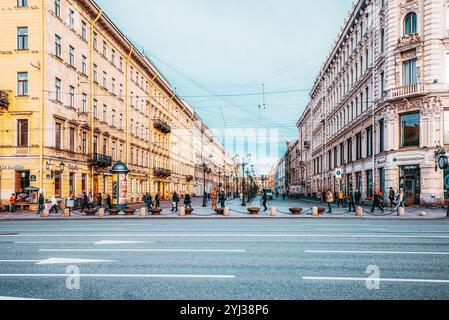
<point x="142" y="250"/>
<point x="102" y="242"/>
<point x="224" y="235"/>
<point x="17" y="299"/>
<point x="378" y="252"/>
<point x="183" y="276"/>
<point x="18" y="261"/>
<point x="375" y="279"/>
<point x="58" y="261"/>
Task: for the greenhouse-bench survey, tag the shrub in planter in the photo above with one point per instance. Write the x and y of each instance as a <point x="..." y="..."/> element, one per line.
<point x="189" y="211"/>
<point x="219" y="210"/>
<point x="254" y="210"/>
<point x="156" y="211"/>
<point x="90" y="212"/>
<point x="114" y="211"/>
<point x="129" y="211"/>
<point x="321" y="210"/>
<point x="296" y="210"/>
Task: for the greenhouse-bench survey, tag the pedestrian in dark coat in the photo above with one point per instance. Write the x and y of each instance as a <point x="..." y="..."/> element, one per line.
<point x="41" y="204"/>
<point x="264" y="201"/>
<point x="84" y="202"/>
<point x="391" y="195"/>
<point x="109" y="201"/>
<point x="158" y="200"/>
<point x="351" y="201"/>
<point x="175" y="200"/>
<point x="357" y="197"/>
<point x="188" y="201"/>
<point x="377" y="203"/>
<point x="222" y="198"/>
<point x="99" y="200"/>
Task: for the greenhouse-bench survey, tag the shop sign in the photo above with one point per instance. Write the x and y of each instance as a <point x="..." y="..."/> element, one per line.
<point x="73" y="168"/>
<point x="11" y="167"/>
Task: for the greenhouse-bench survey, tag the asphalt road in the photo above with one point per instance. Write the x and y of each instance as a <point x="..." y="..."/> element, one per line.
<point x="225" y="259"/>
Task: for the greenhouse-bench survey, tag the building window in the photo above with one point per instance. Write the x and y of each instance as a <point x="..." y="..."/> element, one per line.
<point x="71" y="97"/>
<point x="369" y="141"/>
<point x="71" y="19"/>
<point x="113" y="57"/>
<point x="410" y="23"/>
<point x="22" y="132"/>
<point x="58" y="182"/>
<point x="381" y="136"/>
<point x="84" y="103"/>
<point x="22" y="84"/>
<point x="72" y="56"/>
<point x="58" y="46"/>
<point x="358" y="146"/>
<point x="95" y="103"/>
<point x="410" y="74"/>
<point x="410" y="130"/>
<point x="369" y="184"/>
<point x="95" y="73"/>
<point x="382" y="84"/>
<point x="22" y="38"/>
<point x="342" y="154"/>
<point x="84" y="30"/>
<point x="382" y="40"/>
<point x="105" y="108"/>
<point x="113" y="118"/>
<point x="105" y="49"/>
<point x="105" y="79"/>
<point x="84" y="143"/>
<point x="84" y="65"/>
<point x="113" y="86"/>
<point x="72" y="139"/>
<point x="84" y="182"/>
<point x="121" y="64"/>
<point x="349" y="142"/>
<point x="58" y="136"/>
<point x="22" y="3"/>
<point x="95" y="40"/>
<point x="58" y="8"/>
<point x="58" y="90"/>
<point x="121" y="122"/>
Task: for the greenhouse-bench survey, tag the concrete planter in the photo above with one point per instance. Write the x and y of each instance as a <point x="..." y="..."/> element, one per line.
<point x="295" y="211"/>
<point x="254" y="211"/>
<point x="156" y="211"/>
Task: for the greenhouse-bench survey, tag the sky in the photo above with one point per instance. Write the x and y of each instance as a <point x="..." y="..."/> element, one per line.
<point x="222" y="55"/>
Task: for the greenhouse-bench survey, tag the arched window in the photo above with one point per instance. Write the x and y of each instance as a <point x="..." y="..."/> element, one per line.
<point x="410" y="24"/>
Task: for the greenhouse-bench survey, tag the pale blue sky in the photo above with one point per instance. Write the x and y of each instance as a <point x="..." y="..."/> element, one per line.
<point x="210" y="48"/>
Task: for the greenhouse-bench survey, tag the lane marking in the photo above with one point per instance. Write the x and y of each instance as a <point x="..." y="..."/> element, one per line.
<point x="222" y="235"/>
<point x="375" y="279"/>
<point x="18" y="299"/>
<point x="378" y="252"/>
<point x="142" y="250"/>
<point x="102" y="242"/>
<point x="59" y="261"/>
<point x="63" y="275"/>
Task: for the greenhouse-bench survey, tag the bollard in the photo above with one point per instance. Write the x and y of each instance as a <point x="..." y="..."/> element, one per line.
<point x="359" y="211"/>
<point x="143" y="212"/>
<point x="101" y="212"/>
<point x="273" y="212"/>
<point x="182" y="212"/>
<point x="226" y="212"/>
<point x="401" y="212"/>
<point x="315" y="212"/>
<point x="46" y="213"/>
<point x="66" y="213"/>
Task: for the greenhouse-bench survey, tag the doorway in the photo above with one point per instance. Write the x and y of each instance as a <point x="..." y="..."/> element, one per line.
<point x="410" y="181"/>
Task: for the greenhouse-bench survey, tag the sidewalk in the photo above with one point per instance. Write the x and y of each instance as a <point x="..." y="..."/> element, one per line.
<point x="239" y="212"/>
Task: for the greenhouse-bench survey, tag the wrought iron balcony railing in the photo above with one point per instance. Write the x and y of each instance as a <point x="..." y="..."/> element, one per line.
<point x="162" y="126"/>
<point x="162" y="173"/>
<point x="101" y="160"/>
<point x="4" y="101"/>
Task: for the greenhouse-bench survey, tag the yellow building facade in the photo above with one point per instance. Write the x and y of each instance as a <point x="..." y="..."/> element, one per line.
<point x="77" y="97"/>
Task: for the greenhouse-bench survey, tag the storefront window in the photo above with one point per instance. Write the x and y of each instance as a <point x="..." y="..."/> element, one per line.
<point x="22" y="181"/>
<point x="369" y="184"/>
<point x="410" y="130"/>
<point x="71" y="183"/>
<point x="58" y="180"/>
<point x="83" y="182"/>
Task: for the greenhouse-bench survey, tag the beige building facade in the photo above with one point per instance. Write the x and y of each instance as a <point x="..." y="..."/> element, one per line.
<point x="379" y="106"/>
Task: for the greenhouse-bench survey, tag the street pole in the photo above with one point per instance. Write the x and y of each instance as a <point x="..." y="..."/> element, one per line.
<point x="204" y="186"/>
<point x="243" y="187"/>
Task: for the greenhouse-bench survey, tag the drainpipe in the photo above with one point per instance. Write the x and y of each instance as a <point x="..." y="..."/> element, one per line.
<point x="42" y="109"/>
<point x="128" y="58"/>
<point x="91" y="82"/>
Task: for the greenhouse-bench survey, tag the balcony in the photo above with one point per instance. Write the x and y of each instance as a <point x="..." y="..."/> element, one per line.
<point x="405" y="91"/>
<point x="162" y="126"/>
<point x="4" y="101"/>
<point x="100" y="160"/>
<point x="21" y="151"/>
<point x="189" y="178"/>
<point x="307" y="144"/>
<point x="162" y="173"/>
<point x="409" y="40"/>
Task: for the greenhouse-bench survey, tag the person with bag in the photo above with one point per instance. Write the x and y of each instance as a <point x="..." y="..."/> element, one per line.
<point x="41" y="202"/>
<point x="54" y="205"/>
<point x="188" y="201"/>
<point x="329" y="200"/>
<point x="175" y="200"/>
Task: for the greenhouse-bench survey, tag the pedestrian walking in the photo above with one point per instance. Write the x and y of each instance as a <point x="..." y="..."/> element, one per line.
<point x="283" y="196"/>
<point x="222" y="199"/>
<point x="91" y="201"/>
<point x="157" y="198"/>
<point x="41" y="202"/>
<point x="400" y="200"/>
<point x="377" y="203"/>
<point x="99" y="200"/>
<point x="351" y="201"/>
<point x="175" y="200"/>
<point x="329" y="200"/>
<point x="188" y="201"/>
<point x="84" y="202"/>
<point x="108" y="201"/>
<point x="340" y="199"/>
<point x="264" y="201"/>
<point x="391" y="195"/>
<point x="214" y="198"/>
<point x="357" y="197"/>
<point x="54" y="205"/>
<point x="12" y="203"/>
